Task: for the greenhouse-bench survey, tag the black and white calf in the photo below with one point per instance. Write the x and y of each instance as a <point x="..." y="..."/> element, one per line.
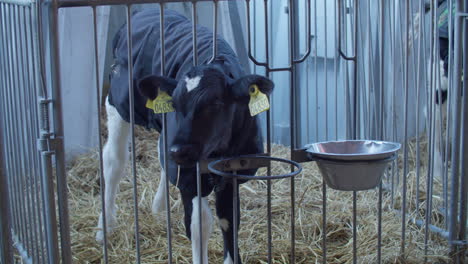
<point x="211" y="118"/>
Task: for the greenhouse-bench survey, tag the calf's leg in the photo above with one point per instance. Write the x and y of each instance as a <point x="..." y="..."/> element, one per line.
<point x="192" y="225"/>
<point x="159" y="201"/>
<point x="115" y="156"/>
<point x="224" y="210"/>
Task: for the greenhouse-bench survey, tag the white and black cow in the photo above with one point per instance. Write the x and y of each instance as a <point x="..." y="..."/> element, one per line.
<point x="211" y="118"/>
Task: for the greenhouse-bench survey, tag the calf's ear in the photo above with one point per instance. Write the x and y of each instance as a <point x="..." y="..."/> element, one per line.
<point x="241" y="88"/>
<point x="149" y="86"/>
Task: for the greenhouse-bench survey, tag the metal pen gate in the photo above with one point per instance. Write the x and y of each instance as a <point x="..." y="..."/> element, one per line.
<point x="372" y="61"/>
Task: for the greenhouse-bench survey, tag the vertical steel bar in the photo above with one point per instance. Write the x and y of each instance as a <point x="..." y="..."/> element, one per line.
<point x="381" y="117"/>
<point x="6" y="111"/>
<point x="62" y="199"/>
<point x="405" y="166"/>
<point x="200" y="223"/>
<point x="35" y="65"/>
<point x="393" y="109"/>
<point x="27" y="133"/>
<point x="99" y="129"/>
<point x="455" y="184"/>
<point x="5" y="214"/>
<point x="194" y="33"/>
<point x="418" y="95"/>
<point x="432" y="136"/>
<point x="325" y="69"/>
<point x="19" y="139"/>
<point x="132" y="131"/>
<point x="293" y="123"/>
<point x="268" y="125"/>
<point x="235" y="201"/>
<point x="215" y="30"/>
<point x="165" y="144"/>
<point x="199" y="190"/>
<point x="31" y="120"/>
<point x="324" y="222"/>
<point x="464" y="139"/>
<point x="317" y="138"/>
<point x="335" y="64"/>
<point x="449" y="111"/>
<point x="354" y="227"/>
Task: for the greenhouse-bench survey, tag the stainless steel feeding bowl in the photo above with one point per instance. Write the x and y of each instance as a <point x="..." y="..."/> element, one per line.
<point x="353" y="165"/>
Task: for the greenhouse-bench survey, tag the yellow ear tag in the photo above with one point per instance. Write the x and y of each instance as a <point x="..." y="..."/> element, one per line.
<point x="258" y="101"/>
<point x="161" y="104"/>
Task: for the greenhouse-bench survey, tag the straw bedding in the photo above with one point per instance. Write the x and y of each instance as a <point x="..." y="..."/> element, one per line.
<point x="84" y="201"/>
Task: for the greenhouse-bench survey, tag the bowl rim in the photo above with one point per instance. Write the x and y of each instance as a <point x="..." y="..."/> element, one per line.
<point x="354" y="156"/>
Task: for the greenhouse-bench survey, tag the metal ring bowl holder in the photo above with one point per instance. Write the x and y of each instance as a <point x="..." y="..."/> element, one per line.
<point x="228" y="168"/>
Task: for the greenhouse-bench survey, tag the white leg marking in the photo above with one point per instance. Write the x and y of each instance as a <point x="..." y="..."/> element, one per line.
<point x="207" y="221"/>
<point x="228" y="259"/>
<point x="224" y="223"/>
<point x="115" y="155"/>
<point x="159" y="201"/>
<point x="192" y="83"/>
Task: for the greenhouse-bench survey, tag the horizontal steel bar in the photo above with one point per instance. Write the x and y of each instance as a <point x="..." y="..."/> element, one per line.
<point x="77" y="3"/>
<point x="19" y="2"/>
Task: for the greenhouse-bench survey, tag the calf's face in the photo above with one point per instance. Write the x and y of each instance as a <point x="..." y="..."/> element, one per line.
<point x="208" y="106"/>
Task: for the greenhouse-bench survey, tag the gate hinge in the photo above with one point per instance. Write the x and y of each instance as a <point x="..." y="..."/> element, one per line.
<point x="47" y="143"/>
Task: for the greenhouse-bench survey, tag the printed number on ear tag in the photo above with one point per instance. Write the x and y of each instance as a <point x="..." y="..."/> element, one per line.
<point x="161" y="104"/>
<point x="258" y="101"/>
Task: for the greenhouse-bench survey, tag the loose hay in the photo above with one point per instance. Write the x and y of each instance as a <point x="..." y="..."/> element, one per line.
<point x="85" y="205"/>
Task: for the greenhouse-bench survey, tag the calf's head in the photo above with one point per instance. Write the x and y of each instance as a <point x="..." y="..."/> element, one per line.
<point x="209" y="106"/>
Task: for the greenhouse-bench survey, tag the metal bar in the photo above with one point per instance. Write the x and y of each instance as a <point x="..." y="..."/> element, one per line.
<point x="12" y="130"/>
<point x="324" y="222"/>
<point x="316" y="74"/>
<point x="405" y="154"/>
<point x="5" y="214"/>
<point x="418" y="95"/>
<point x="268" y="125"/>
<point x="20" y="171"/>
<point x="28" y="134"/>
<point x="200" y="219"/>
<point x="464" y="157"/>
<point x="381" y="134"/>
<point x="249" y="44"/>
<point x="335" y="64"/>
<point x="449" y="110"/>
<point x="99" y="129"/>
<point x="293" y="123"/>
<point x="325" y="69"/>
<point x="132" y="132"/>
<point x="215" y="31"/>
<point x="62" y="199"/>
<point x="194" y="33"/>
<point x="235" y="198"/>
<point x="49" y="209"/>
<point x="32" y="121"/>
<point x="432" y="136"/>
<point x="354" y="227"/>
<point x="39" y="89"/>
<point x="456" y="102"/>
<point x="355" y="83"/>
<point x="308" y="42"/>
<point x="199" y="190"/>
<point x="165" y="145"/>
<point x="342" y="54"/>
<point x="82" y="3"/>
<point x="19" y="2"/>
